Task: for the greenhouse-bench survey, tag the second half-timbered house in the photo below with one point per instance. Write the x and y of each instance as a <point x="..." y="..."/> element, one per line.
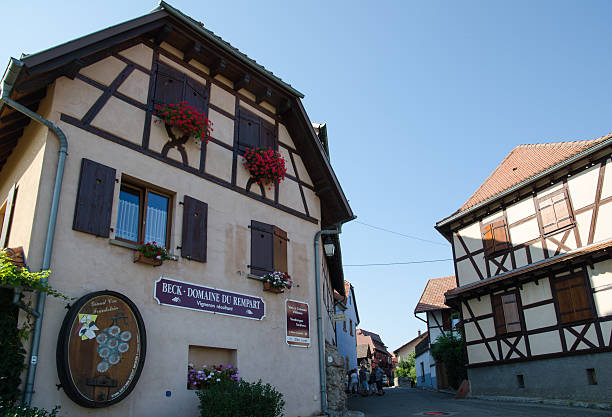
<point x="532" y="249"/>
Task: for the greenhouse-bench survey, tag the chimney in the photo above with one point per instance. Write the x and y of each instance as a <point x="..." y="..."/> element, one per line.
<point x="419" y="332"/>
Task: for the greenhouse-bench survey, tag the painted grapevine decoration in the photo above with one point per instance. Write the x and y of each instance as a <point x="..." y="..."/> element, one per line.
<point x="265" y="165"/>
<point x="188" y="119"/>
<point x="101" y="349"/>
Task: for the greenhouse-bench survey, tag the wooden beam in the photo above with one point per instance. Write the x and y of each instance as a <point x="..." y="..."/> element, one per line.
<point x="162" y="34"/>
<point x="32" y="98"/>
<point x="73" y="68"/>
<point x="15" y="115"/>
<point x="263" y="95"/>
<point x="192" y="52"/>
<point x="218" y="68"/>
<point x="15" y="127"/>
<point x="284" y="107"/>
<point x="243" y="82"/>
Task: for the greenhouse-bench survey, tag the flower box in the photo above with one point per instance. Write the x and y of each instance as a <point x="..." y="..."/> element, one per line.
<point x="270" y="288"/>
<point x="140" y="258"/>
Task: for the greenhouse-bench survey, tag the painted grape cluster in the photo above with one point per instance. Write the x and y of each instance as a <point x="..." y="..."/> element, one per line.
<point x="112" y="343"/>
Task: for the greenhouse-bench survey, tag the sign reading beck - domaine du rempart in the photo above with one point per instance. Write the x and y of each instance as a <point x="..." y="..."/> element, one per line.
<point x="298" y="323"/>
<point x="211" y="300"/>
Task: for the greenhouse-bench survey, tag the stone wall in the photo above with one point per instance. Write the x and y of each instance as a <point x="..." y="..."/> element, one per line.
<point x="334" y="373"/>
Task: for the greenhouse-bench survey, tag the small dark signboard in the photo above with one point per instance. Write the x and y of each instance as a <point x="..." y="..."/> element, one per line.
<point x="101" y="349"/>
<point x="181" y="294"/>
<point x="298" y="324"/>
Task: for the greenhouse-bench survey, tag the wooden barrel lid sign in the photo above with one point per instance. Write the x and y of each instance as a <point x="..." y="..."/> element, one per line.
<point x="101" y="349"/>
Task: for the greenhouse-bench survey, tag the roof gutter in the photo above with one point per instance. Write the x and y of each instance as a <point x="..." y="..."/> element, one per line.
<point x="8" y="82"/>
<point x="516" y="187"/>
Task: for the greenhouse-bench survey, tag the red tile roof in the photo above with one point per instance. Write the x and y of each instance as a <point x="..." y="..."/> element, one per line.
<point x="433" y="295"/>
<point x="525" y="161"/>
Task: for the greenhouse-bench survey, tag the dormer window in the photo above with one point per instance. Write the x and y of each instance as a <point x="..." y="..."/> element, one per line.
<point x="495" y="237"/>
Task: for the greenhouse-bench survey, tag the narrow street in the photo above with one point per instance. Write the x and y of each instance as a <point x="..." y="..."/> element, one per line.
<point x="413" y="402"/>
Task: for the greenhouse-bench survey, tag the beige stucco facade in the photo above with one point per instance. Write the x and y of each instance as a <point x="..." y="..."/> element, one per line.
<point x="83" y="263"/>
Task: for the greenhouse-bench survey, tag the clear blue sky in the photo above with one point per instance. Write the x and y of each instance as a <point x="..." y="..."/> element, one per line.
<point x="422" y="101"/>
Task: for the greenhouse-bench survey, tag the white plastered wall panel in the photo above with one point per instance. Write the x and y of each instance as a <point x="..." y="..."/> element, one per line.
<point x="219" y="162"/>
<point x="540" y="317"/>
<point x="524" y="232"/>
<point x="583" y="222"/>
<point x="480" y="307"/>
<point x="606" y="330"/>
<point x="75" y="96"/>
<point x="532" y="293"/>
<point x="140" y="54"/>
<point x="136" y="86"/>
<point x="480" y="264"/>
<point x="289" y="195"/>
<point x="601" y="279"/>
<point x="590" y="335"/>
<point x="551" y="189"/>
<point x="606" y="189"/>
<point x="105" y="70"/>
<point x="582" y="187"/>
<point x="471" y="333"/>
<point x="466" y="272"/>
<point x="223" y="127"/>
<point x="478" y="353"/>
<point x="284" y="136"/>
<point x="537" y="252"/>
<point x="301" y="170"/>
<point x="520" y="346"/>
<point x="121" y="119"/>
<point x="472" y="237"/>
<point x="288" y="164"/>
<point x="543" y="343"/>
<point x="552" y="245"/>
<point x="200" y="66"/>
<point x="459" y="251"/>
<point x="312" y="201"/>
<point x="495" y="216"/>
<point x="603" y="228"/>
<point x="520" y="210"/>
<point x="222" y="99"/>
<point x="488" y="327"/>
<point x="520" y="257"/>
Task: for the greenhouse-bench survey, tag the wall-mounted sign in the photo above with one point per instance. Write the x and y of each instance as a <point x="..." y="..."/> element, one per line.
<point x="101" y="349"/>
<point x="339" y="317"/>
<point x="211" y="300"/>
<point x="298" y="323"/>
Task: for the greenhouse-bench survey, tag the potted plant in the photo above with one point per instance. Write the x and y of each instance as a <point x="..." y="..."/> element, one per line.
<point x="265" y="165"/>
<point x="151" y="253"/>
<point x="16" y="276"/>
<point x="186" y="119"/>
<point x="277" y="281"/>
<point x="205" y="377"/>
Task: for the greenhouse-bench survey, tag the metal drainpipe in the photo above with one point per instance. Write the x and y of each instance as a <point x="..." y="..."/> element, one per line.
<point x="317" y="236"/>
<point x="10" y="76"/>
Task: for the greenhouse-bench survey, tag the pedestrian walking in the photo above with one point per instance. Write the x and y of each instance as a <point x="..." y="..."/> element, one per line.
<point x="354" y="384"/>
<point x="363" y="380"/>
<point x="379" y="380"/>
<point x="372" y="380"/>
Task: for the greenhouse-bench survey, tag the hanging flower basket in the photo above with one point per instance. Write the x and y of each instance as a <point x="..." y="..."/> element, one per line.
<point x="151" y="254"/>
<point x="265" y="165"/>
<point x="277" y="282"/>
<point x="186" y="119"/>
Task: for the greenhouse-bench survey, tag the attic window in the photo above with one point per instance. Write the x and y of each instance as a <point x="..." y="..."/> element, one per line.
<point x="495" y="237"/>
<point x="253" y="132"/>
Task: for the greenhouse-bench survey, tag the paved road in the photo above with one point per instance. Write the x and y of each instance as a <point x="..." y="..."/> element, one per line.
<point x="407" y="402"/>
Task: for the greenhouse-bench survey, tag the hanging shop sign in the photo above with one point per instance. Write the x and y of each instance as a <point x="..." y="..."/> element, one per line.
<point x="101" y="349"/>
<point x="181" y="294"/>
<point x="298" y="324"/>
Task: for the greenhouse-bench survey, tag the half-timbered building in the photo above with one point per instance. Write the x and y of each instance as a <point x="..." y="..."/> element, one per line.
<point x="532" y="253"/>
<point x="438" y="320"/>
<point x="121" y="178"/>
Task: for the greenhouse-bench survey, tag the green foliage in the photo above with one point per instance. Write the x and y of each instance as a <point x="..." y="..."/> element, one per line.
<point x="12" y="275"/>
<point x="152" y="250"/>
<point x="9" y="410"/>
<point x="406" y="369"/>
<point x="448" y="348"/>
<point x="241" y="399"/>
<point x="11" y="349"/>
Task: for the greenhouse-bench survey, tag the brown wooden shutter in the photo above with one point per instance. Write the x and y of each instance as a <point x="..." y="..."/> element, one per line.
<point x="511" y="313"/>
<point x="8" y="216"/>
<point x="500" y="236"/>
<point x="262" y="248"/>
<point x="94" y="199"/>
<point x="487" y="238"/>
<point x="572" y="299"/>
<point x="248" y="130"/>
<point x="195" y="95"/>
<point x="267" y="135"/>
<point x="280" y="250"/>
<point x="195" y="221"/>
<point x="446" y="320"/>
<point x="547" y="213"/>
<point x="169" y="85"/>
<point x="562" y="211"/>
<point x="498" y="315"/>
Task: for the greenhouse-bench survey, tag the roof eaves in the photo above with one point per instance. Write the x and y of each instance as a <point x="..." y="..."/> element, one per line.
<point x="226" y="47"/>
<point x="568" y="161"/>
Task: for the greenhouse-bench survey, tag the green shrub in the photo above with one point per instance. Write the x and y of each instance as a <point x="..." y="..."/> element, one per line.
<point x="241" y="399"/>
<point x="11" y="348"/>
<point x="448" y="348"/>
<point x="8" y="410"/>
<point x="406" y="368"/>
